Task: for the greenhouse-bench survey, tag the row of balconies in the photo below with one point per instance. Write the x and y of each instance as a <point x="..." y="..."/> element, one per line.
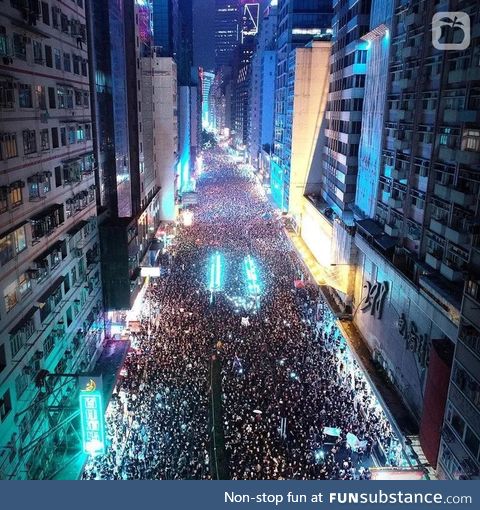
<point x="464" y="157"/>
<point x="454" y="233"/>
<point x="461" y="197"/>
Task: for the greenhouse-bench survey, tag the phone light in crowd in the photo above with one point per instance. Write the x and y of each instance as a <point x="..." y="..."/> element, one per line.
<point x="187" y="218"/>
<point x="319" y="456"/>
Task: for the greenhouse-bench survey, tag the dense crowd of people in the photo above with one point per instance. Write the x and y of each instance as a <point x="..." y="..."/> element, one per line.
<point x="295" y="405"/>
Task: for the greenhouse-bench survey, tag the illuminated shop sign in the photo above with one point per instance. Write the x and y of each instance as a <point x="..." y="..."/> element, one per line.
<point x="92" y="415"/>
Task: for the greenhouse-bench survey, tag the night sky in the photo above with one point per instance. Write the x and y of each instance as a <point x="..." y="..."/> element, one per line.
<point x="203" y="34"/>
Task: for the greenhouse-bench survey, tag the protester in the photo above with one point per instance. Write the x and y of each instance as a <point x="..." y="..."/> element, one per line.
<point x="295" y="405"/>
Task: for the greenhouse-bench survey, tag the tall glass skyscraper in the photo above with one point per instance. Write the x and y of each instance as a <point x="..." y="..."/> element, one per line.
<point x="227" y="30"/>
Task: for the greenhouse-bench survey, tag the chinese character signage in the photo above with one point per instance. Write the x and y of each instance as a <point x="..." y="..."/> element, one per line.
<point x="415" y="342"/>
<point x="92" y="415"/>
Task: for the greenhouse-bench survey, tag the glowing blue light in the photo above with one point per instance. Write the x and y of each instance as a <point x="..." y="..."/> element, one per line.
<point x="216" y="273"/>
<point x="293" y="375"/>
<point x="369" y="44"/>
<point x="319" y="455"/>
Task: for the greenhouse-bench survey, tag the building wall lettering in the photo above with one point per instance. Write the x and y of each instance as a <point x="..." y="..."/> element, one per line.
<point x="374" y="299"/>
<point x="415" y="342"/>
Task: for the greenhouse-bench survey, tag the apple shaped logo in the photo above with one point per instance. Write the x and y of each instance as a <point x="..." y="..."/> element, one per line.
<point x="450" y="27"/>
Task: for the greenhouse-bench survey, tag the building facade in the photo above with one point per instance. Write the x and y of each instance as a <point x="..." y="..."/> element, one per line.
<point x="261" y="106"/>
<point x="50" y="280"/>
<point x="227" y="31"/>
<point x="299" y="21"/>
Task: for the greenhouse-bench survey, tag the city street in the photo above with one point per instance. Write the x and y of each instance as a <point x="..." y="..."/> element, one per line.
<point x="239" y="370"/>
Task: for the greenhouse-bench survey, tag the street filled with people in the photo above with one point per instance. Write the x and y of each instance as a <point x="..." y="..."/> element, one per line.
<point x="293" y="402"/>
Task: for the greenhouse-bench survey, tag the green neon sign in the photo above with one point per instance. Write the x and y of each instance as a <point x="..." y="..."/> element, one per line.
<point x="92" y="416"/>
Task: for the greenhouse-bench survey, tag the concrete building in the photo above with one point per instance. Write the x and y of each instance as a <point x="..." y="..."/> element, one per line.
<point x="299" y="21"/>
<point x="50" y="281"/>
<point x="307" y="77"/>
<point x="345" y="102"/>
<point x="261" y="106"/>
<point x="166" y="132"/>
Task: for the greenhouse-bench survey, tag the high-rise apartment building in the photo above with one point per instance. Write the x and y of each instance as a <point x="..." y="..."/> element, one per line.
<point x="227" y="31"/>
<point x="417" y="215"/>
<point x="50" y="282"/>
<point x="345" y="101"/>
<point x="299" y="21"/>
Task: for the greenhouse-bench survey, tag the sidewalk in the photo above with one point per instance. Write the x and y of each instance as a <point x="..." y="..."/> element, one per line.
<point x="386" y="392"/>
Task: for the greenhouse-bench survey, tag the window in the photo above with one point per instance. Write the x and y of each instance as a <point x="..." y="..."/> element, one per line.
<point x="25" y="95"/>
<point x="10" y="296"/>
<point x="63" y="136"/>
<point x="3" y="199"/>
<point x="58" y="58"/>
<point x="51" y="97"/>
<point x="86" y="101"/>
<point x="55" y="140"/>
<point x="37" y="52"/>
<point x="71" y="135"/>
<point x="67" y="63"/>
<point x="8" y="145"/>
<point x="7" y="94"/>
<point x="76" y="64"/>
<point x="64" y="23"/>
<point x="3" y="358"/>
<point x="55" y="13"/>
<point x="21" y="384"/>
<point x="12" y="244"/>
<point x="45" y="13"/>
<point x="24" y="285"/>
<point x="5" y="405"/>
<point x="48" y="345"/>
<point x="44" y="140"/>
<point x="48" y="56"/>
<point x="20" y="46"/>
<point x="41" y="99"/>
<point x="38" y="186"/>
<point x="65" y="97"/>
<point x="472" y="442"/>
<point x="58" y="176"/>
<point x="4" y="43"/>
<point x="88" y="132"/>
<point x="15" y="194"/>
<point x="80" y="133"/>
<point x="78" y="98"/>
<point x="471" y="140"/>
<point x="29" y="141"/>
<point x="84" y="67"/>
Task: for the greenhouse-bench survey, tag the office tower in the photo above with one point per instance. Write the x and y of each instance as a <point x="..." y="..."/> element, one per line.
<point x="50" y="311"/>
<point x="166" y="27"/>
<point x="299" y="21"/>
<point x="207" y="82"/>
<point x="122" y="79"/>
<point x="227" y="31"/>
<point x="261" y="106"/>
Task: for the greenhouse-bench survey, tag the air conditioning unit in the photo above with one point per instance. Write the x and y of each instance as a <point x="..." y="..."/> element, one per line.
<point x="38" y="355"/>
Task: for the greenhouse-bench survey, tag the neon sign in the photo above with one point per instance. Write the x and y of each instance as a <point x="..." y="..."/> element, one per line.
<point x="92" y="416"/>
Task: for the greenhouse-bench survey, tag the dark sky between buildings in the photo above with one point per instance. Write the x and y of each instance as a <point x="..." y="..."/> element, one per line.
<point x="203" y="34"/>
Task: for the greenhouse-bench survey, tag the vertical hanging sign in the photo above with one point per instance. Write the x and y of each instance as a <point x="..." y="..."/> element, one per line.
<point x="92" y="415"/>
